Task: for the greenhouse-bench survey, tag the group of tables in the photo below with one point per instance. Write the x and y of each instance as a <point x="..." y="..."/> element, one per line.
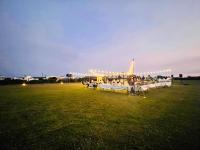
<point x="137" y="87"/>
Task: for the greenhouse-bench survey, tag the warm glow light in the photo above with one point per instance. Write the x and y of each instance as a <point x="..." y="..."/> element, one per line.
<point x="23" y="84"/>
<point x="61" y="82"/>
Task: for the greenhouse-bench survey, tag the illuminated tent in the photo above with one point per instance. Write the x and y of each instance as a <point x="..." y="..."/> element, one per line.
<point x="131" y="68"/>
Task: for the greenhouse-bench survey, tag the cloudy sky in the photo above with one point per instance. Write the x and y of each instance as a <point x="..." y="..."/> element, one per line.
<point x="55" y="37"/>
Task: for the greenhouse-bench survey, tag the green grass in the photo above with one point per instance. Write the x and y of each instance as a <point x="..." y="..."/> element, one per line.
<point x="70" y="116"/>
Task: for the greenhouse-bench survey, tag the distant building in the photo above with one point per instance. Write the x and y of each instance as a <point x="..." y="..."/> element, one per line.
<point x="2" y="77"/>
<point x="30" y="78"/>
<point x="18" y="78"/>
<point x="39" y="78"/>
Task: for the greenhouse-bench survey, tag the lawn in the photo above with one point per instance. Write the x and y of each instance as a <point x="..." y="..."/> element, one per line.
<point x="70" y="116"/>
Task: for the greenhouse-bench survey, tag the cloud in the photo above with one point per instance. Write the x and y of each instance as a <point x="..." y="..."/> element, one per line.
<point x="59" y="37"/>
<point x="172" y="36"/>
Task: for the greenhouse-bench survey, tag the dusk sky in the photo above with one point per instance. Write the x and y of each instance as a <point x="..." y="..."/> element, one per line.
<point x="55" y="37"/>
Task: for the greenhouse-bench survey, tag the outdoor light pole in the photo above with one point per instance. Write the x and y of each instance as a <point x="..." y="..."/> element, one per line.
<point x="123" y="78"/>
<point x="181" y="78"/>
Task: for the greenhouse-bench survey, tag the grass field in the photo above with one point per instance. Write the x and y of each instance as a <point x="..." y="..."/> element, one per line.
<point x="70" y="116"/>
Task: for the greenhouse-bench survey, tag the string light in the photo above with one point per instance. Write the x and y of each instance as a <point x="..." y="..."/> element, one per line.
<point x="98" y="72"/>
